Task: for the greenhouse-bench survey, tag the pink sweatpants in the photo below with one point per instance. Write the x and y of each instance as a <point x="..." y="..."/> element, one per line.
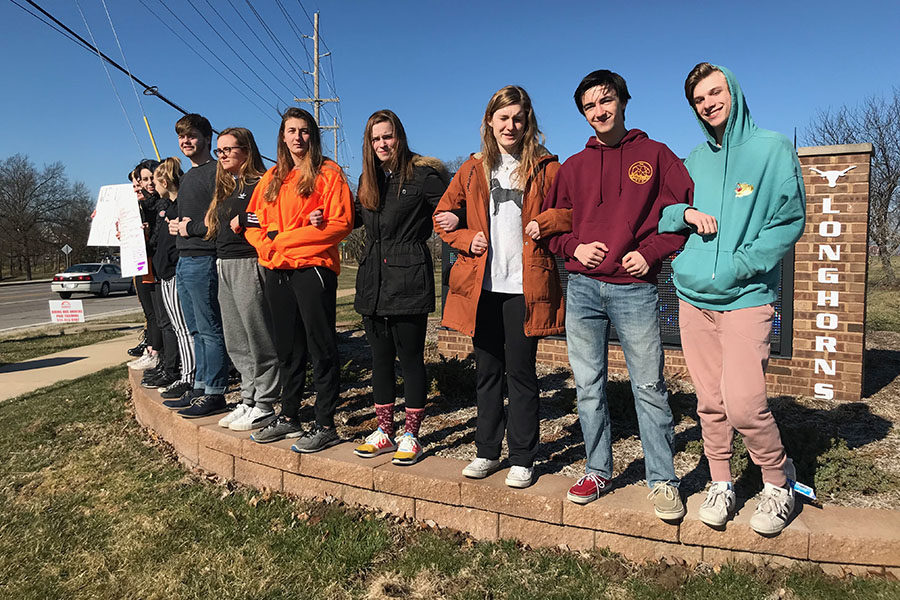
<point x="726" y="354"/>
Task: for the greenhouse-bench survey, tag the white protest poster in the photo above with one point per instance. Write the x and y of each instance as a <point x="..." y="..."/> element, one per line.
<point x="66" y="311"/>
<point x="106" y="214"/>
<point x="132" y="247"/>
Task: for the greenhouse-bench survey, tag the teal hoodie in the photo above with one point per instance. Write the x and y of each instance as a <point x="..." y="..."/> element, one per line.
<point x="753" y="185"/>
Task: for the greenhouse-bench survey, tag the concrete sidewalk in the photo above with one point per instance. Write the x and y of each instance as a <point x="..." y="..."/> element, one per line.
<point x="20" y="378"/>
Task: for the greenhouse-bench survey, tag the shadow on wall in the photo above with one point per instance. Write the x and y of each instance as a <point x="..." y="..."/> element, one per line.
<point x="820" y="437"/>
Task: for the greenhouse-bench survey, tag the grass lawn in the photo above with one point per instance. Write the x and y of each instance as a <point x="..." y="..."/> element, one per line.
<point x="93" y="507"/>
<point x="882" y="301"/>
<point x="32" y="345"/>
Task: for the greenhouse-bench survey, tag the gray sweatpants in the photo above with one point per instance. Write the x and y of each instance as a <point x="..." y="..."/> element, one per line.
<point x="247" y="323"/>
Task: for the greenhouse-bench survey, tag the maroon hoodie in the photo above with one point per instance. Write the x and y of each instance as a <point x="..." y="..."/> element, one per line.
<point x="617" y="194"/>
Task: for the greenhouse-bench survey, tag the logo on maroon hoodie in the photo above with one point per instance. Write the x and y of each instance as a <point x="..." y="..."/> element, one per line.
<point x="640" y="172"/>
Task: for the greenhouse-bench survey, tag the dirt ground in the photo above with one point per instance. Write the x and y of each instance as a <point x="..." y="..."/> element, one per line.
<point x="814" y="431"/>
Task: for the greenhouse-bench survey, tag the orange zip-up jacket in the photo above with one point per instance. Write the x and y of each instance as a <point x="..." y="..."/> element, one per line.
<point x="298" y="244"/>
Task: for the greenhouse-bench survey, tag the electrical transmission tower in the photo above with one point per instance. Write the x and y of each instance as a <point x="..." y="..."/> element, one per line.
<point x="316" y="101"/>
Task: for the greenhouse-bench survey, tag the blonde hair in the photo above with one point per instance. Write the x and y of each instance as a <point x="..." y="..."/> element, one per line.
<point x="532" y="138"/>
<point x="226" y="183"/>
<point x="169" y="170"/>
<point x="310" y="166"/>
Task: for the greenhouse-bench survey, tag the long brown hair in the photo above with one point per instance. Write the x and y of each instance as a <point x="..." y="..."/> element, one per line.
<point x="532" y="138"/>
<point x="226" y="183"/>
<point x="309" y="167"/>
<point x="400" y="163"/>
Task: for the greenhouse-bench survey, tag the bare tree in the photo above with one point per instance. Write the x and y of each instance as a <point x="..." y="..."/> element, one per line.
<point x="38" y="209"/>
<point x="454" y="164"/>
<point x="876" y="120"/>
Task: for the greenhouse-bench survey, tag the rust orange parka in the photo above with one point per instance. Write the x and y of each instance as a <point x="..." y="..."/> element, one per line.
<point x="469" y="190"/>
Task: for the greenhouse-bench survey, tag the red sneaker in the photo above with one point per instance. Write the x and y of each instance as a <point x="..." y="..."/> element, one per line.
<point x="588" y="488"/>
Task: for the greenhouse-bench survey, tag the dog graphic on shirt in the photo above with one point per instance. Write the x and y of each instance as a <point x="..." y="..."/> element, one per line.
<point x="500" y="194"/>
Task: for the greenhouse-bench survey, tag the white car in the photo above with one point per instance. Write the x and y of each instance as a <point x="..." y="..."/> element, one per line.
<point x="91" y="278"/>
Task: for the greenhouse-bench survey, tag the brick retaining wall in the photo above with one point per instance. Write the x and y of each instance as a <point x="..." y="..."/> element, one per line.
<point x="837" y="538"/>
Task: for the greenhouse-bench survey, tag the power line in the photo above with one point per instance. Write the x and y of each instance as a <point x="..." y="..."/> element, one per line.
<point x="240" y="58"/>
<point x="52" y="26"/>
<point x="109" y="77"/>
<point x="296" y="30"/>
<point x="243" y="43"/>
<point x="148" y="89"/>
<point x="210" y="50"/>
<point x="278" y="44"/>
<point x="122" y="52"/>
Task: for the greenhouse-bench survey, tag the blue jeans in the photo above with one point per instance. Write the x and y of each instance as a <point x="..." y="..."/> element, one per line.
<point x="197" y="283"/>
<point x="591" y="306"/>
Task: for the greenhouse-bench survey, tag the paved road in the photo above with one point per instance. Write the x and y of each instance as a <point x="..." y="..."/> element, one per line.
<point x="27" y="304"/>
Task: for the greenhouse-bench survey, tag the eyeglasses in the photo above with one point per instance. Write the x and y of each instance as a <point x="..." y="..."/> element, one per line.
<point x="225" y="150"/>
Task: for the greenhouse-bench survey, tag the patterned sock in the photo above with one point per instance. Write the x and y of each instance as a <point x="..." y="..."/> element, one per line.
<point x="385" y="415"/>
<point x="414" y="418"/>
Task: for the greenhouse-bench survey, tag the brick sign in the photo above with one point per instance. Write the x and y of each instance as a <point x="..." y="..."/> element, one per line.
<point x="829" y="288"/>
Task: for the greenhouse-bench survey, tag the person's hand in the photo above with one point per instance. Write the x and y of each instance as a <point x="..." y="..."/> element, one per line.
<point x="446" y="221"/>
<point x="705" y="224"/>
<point x="533" y="230"/>
<point x="235" y="224"/>
<point x="173" y="226"/>
<point x="479" y="244"/>
<point x="182" y="226"/>
<point x="316" y="218"/>
<point x="635" y="264"/>
<point x="592" y="254"/>
<point x="93" y="214"/>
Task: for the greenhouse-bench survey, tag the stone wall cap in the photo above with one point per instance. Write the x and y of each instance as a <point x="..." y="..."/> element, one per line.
<point x="831" y="150"/>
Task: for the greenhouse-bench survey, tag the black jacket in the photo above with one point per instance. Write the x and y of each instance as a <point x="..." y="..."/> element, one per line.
<point x="165" y="256"/>
<point x="396" y="275"/>
<point x="194" y="195"/>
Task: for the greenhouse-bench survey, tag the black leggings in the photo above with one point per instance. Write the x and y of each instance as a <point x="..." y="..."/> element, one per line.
<point x="403" y="337"/>
<point x="303" y="303"/>
<point x="145" y="295"/>
<point x="502" y="346"/>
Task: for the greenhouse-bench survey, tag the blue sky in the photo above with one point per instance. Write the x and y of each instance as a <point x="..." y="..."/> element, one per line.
<point x="435" y="64"/>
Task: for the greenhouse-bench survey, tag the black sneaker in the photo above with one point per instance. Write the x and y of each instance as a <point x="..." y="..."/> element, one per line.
<point x="316" y="438"/>
<point x="139" y="349"/>
<point x="204" y="406"/>
<point x="161" y="380"/>
<point x="177" y="389"/>
<point x="185" y="400"/>
<point x="278" y="429"/>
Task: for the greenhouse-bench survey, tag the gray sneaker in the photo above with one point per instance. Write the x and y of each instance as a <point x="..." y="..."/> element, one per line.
<point x="278" y="429"/>
<point x="667" y="502"/>
<point x="316" y="438"/>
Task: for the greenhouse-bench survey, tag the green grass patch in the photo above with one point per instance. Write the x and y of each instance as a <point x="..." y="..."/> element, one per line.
<point x="14" y="350"/>
<point x="92" y="508"/>
<point x="883" y="309"/>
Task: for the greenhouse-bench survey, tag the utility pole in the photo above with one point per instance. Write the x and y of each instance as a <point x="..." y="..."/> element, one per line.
<point x="316" y="101"/>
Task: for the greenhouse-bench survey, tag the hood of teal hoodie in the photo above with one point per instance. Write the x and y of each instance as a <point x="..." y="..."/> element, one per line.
<point x="752" y="184"/>
<point x="740" y="126"/>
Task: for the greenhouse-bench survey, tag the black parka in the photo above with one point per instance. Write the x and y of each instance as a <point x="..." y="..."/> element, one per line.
<point x="396" y="275"/>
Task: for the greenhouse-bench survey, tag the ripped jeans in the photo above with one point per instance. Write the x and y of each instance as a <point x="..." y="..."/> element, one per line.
<point x="591" y="307"/>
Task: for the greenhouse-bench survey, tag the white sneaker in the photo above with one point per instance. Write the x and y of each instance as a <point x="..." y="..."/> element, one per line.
<point x="776" y="504"/>
<point x="133" y="364"/>
<point x="255" y="418"/>
<point x="239" y="411"/>
<point x="718" y="506"/>
<point x="519" y="477"/>
<point x="147" y="361"/>
<point x="481" y="468"/>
